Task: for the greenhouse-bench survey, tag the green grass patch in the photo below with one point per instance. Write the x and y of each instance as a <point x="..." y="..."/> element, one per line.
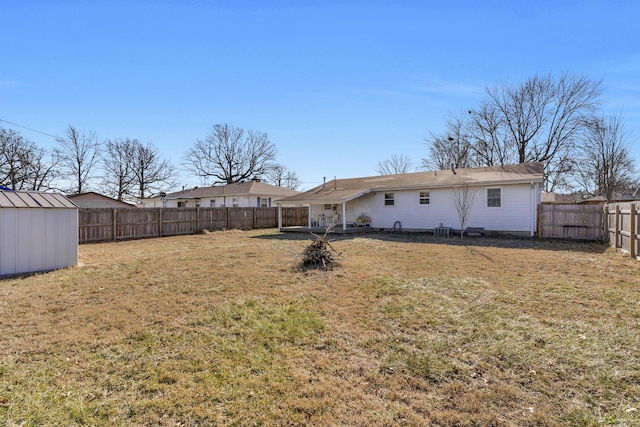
<point x="214" y="369"/>
<point x="446" y="331"/>
<point x="224" y="329"/>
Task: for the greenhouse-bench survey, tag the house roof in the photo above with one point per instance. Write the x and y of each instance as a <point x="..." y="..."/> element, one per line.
<point x="33" y="199"/>
<point x="343" y="190"/>
<point x="250" y="188"/>
<point x="91" y="199"/>
<point x="570" y="199"/>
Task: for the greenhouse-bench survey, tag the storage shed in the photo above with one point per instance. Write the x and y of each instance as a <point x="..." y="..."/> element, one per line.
<point x="38" y="232"/>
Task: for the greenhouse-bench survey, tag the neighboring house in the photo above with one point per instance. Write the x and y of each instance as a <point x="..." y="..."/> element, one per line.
<point x="628" y="196"/>
<point x="506" y="199"/>
<point x="243" y="194"/>
<point x="551" y="198"/>
<point x="572" y="199"/>
<point x="95" y="200"/>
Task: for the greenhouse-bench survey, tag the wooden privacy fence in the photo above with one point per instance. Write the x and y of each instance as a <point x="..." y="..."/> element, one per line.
<point x="112" y="224"/>
<point x="622" y="227"/>
<point x="571" y="221"/>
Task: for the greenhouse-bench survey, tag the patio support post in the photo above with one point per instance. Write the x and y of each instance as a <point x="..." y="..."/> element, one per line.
<point x="344" y="216"/>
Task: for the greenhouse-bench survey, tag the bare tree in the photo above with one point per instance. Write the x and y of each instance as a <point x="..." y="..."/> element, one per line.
<point x="283" y="177"/>
<point x="537" y="120"/>
<point x="606" y="166"/>
<point x="489" y="144"/>
<point x="79" y="155"/>
<point x="13" y="167"/>
<point x="463" y="197"/>
<point x="543" y="117"/>
<point x="23" y="165"/>
<point x="451" y="148"/>
<point x="229" y="154"/>
<point x="118" y="157"/>
<point x="42" y="172"/>
<point x="132" y="170"/>
<point x="396" y="164"/>
<point x="150" y="172"/>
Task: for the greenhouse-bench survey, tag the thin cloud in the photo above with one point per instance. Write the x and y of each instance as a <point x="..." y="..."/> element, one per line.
<point x="13" y="83"/>
<point x="625" y="86"/>
<point x="388" y="92"/>
<point x="627" y="65"/>
<point x="450" y="89"/>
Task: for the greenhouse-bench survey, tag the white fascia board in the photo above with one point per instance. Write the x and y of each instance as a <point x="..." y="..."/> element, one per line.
<point x="355" y="196"/>
<point x="325" y="201"/>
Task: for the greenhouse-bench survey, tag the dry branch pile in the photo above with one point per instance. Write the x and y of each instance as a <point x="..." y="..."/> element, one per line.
<point x="319" y="254"/>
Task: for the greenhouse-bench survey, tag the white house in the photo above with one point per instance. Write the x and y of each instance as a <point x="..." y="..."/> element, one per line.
<point x="243" y="194"/>
<point x="503" y="199"/>
<point x="38" y="232"/>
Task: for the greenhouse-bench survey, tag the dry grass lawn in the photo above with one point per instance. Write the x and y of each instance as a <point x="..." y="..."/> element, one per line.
<point x="225" y="329"/>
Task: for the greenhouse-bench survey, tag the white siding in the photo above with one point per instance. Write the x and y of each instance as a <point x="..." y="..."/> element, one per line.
<point x="517" y="213"/>
<point x="37" y="239"/>
<point x="8" y="241"/>
<point x="37" y="228"/>
<point x="205" y="202"/>
<point x="67" y="239"/>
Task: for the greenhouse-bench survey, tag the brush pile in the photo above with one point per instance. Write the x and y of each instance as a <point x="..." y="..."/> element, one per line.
<point x="319" y="254"/>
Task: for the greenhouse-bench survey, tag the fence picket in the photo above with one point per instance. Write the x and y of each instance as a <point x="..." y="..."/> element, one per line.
<point x="112" y="224"/>
<point x="622" y="227"/>
<point x="570" y="221"/>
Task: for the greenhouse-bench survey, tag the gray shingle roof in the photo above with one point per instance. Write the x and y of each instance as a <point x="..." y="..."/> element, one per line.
<point x="251" y="188"/>
<point x="343" y="190"/>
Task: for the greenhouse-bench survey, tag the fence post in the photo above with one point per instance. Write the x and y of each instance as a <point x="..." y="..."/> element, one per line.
<point x="115" y="224"/>
<point x="254" y="220"/>
<point x="633" y="235"/>
<point x="616" y="231"/>
<point x="160" y="223"/>
<point x="539" y="221"/>
<point x="197" y="219"/>
<point x="607" y="223"/>
<point x="227" y="227"/>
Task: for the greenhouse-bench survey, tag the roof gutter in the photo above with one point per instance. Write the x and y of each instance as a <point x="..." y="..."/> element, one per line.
<point x="471" y="183"/>
<point x="327" y="201"/>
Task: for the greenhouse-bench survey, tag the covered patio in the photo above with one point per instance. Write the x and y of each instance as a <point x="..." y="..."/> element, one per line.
<point x="328" y="208"/>
<point x="338" y="229"/>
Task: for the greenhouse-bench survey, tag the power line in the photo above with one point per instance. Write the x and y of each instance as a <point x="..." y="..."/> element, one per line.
<point x="31" y="129"/>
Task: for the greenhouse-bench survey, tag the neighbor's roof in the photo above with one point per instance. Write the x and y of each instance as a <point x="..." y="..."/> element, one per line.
<point x="91" y="199"/>
<point x="551" y="198"/>
<point x="343" y="190"/>
<point x="33" y="199"/>
<point x="250" y="188"/>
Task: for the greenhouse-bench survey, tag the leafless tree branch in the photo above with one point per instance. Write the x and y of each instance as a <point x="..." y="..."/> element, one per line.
<point x="229" y="154"/>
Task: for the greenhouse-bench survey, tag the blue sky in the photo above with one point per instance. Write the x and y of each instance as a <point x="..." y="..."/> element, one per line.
<point x="337" y="85"/>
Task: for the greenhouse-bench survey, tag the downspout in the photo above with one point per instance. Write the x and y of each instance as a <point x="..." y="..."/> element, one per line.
<point x="533" y="210"/>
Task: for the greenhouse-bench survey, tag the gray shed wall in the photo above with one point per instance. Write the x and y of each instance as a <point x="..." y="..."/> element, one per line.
<point x="36" y="239"/>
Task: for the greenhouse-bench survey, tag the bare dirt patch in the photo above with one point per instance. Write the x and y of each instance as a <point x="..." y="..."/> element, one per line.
<point x="226" y="329"/>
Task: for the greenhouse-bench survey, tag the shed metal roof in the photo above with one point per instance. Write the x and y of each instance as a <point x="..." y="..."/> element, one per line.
<point x="34" y="199"/>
